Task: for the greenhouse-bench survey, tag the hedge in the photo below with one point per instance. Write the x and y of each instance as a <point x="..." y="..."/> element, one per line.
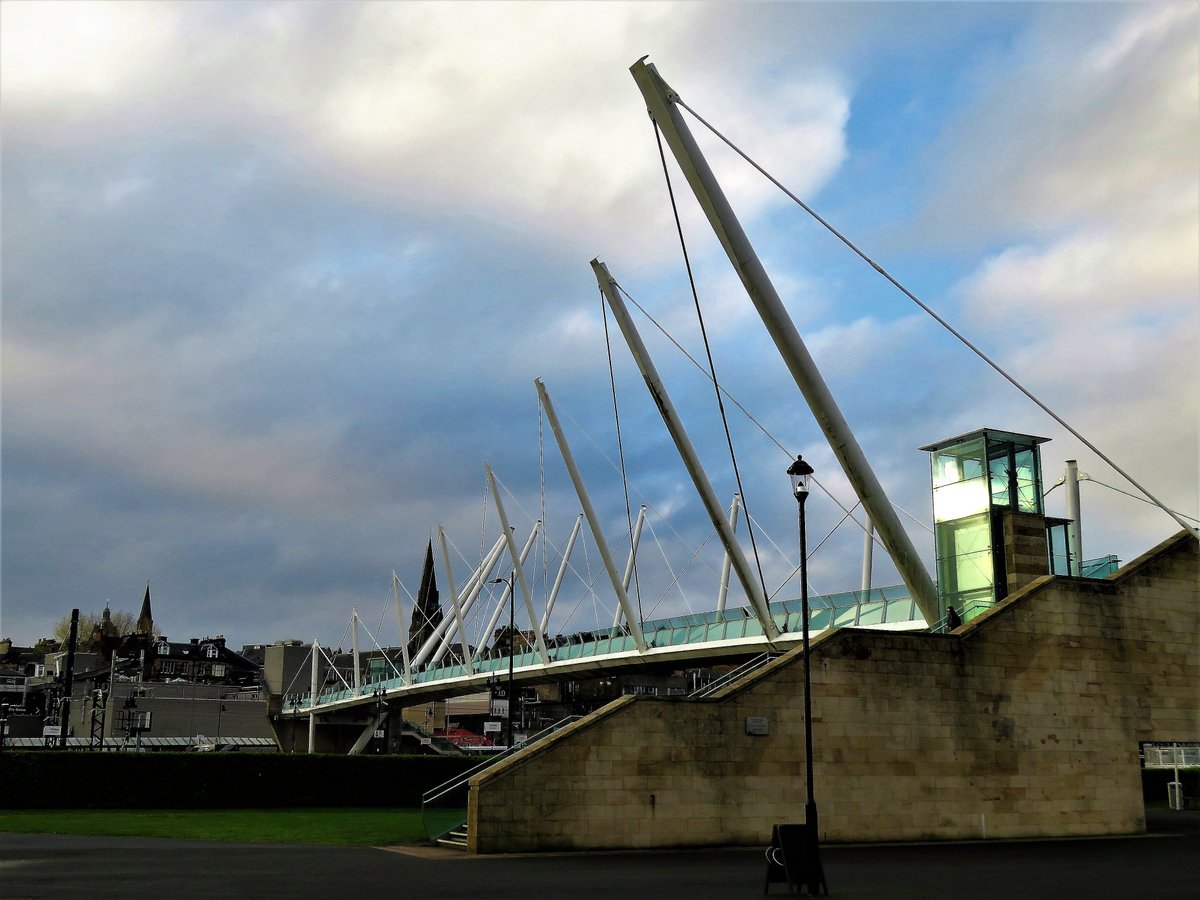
<point x="91" y="780"/>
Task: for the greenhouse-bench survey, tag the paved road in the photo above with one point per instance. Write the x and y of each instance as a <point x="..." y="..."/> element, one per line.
<point x="1163" y="864"/>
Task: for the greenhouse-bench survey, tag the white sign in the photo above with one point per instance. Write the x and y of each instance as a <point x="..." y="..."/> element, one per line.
<point x="51" y="731"/>
<point x="500" y="708"/>
<point x="378" y="732"/>
<point x="491" y="727"/>
<point x="425" y="742"/>
<point x="757" y="725"/>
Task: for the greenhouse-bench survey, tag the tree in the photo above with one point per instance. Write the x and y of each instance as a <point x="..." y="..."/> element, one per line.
<point x="117" y="624"/>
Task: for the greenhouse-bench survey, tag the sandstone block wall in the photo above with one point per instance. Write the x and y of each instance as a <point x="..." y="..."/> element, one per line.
<point x="1024" y="722"/>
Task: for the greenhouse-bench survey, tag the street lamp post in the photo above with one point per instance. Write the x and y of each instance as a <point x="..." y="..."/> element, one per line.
<point x="380" y="696"/>
<point x="511" y="647"/>
<point x="801" y="473"/>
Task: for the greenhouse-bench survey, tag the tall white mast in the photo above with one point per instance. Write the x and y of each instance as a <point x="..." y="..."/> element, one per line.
<point x="661" y="101"/>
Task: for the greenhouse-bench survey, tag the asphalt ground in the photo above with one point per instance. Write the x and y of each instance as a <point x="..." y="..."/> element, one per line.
<point x="1164" y="863"/>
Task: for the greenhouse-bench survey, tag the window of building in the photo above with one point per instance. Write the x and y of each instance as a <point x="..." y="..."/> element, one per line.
<point x="210" y="651"/>
<point x="167" y="667"/>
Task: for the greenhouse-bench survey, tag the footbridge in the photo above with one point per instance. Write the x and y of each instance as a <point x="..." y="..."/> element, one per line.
<point x="695" y="640"/>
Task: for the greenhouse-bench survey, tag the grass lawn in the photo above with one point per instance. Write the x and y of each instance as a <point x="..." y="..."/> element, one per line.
<point x="369" y="827"/>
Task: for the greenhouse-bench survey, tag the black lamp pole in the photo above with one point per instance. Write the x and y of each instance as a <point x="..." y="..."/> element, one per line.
<point x="511" y="645"/>
<point x="801" y="474"/>
<point x="512" y="649"/>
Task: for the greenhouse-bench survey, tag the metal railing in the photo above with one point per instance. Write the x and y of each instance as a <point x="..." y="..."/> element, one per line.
<point x="444" y="808"/>
<point x="729" y="677"/>
<point x="884" y="605"/>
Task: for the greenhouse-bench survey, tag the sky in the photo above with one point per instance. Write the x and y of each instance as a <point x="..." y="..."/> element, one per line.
<point x="277" y="279"/>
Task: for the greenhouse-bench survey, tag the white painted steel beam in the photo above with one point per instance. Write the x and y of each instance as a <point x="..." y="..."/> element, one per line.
<point x="312" y="718"/>
<point x="562" y="571"/>
<point x="458" y="615"/>
<point x="500" y="606"/>
<point x="403" y="625"/>
<point x="868" y="554"/>
<point x="367" y="733"/>
<point x="661" y="100"/>
<point x="691" y="460"/>
<point x="354" y="648"/>
<point x="723" y="590"/>
<point x="1075" y="529"/>
<point x="633" y="548"/>
<point x="439" y="631"/>
<point x="635" y="626"/>
<point x="515" y="555"/>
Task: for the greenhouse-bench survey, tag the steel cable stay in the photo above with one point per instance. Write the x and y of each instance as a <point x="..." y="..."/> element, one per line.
<point x="678" y="575"/>
<point x="813" y="551"/>
<point x="542" y="499"/>
<point x="1085" y="477"/>
<point x="516" y="500"/>
<point x="637" y="490"/>
<point x="302" y="667"/>
<point x="746" y="412"/>
<point x="612" y="378"/>
<point x="649" y="505"/>
<point x="711" y="364"/>
<point x="934" y="315"/>
<point x="375" y="637"/>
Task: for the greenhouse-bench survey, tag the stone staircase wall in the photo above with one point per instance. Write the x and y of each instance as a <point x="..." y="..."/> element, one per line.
<point x="1023" y="723"/>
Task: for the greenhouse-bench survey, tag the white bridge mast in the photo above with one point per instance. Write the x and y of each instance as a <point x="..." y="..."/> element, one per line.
<point x="661" y="101"/>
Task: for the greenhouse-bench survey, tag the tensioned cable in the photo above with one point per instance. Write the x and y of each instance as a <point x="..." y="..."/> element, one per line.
<point x="612" y="380"/>
<point x="813" y="551"/>
<point x="708" y="351"/>
<point x="649" y="504"/>
<point x="915" y="299"/>
<point x="542" y="498"/>
<point x="675" y="576"/>
<point x="1134" y="496"/>
<point x="759" y="425"/>
<point x="307" y="660"/>
<point x="590" y="580"/>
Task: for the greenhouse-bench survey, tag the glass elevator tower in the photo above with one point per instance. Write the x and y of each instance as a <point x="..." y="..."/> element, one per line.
<point x="989" y="520"/>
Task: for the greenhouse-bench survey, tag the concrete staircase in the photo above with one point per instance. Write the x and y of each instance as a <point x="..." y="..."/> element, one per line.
<point x="456" y="839"/>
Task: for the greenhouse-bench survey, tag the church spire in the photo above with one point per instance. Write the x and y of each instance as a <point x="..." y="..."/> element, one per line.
<point x="145" y="622"/>
<point x="427" y="611"/>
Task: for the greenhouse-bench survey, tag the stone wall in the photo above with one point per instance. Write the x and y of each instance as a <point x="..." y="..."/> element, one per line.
<point x="1024" y="722"/>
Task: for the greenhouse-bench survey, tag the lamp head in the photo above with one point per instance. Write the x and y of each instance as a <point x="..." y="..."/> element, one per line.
<point x="801" y="474"/>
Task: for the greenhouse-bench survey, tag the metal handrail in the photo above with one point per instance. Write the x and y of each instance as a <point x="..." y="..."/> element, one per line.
<point x="744" y="669"/>
<point x="463" y="777"/>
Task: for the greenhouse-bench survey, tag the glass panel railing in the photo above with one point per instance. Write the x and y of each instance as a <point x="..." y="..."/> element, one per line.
<point x="843" y="617"/>
<point x="872" y="615"/>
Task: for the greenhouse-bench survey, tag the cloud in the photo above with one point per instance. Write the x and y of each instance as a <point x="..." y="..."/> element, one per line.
<point x="1112" y="132"/>
<point x="161" y="429"/>
<point x="277" y="276"/>
<point x="1098" y="273"/>
<point x="1098" y="314"/>
<point x="434" y="106"/>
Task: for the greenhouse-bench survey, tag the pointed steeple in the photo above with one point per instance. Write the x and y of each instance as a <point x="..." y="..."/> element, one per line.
<point x="145" y="622"/>
<point x="427" y="612"/>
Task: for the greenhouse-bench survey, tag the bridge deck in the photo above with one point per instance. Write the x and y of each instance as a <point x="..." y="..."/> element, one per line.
<point x="694" y="637"/>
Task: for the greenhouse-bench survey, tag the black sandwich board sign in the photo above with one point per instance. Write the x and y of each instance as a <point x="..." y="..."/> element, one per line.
<point x="789" y="862"/>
